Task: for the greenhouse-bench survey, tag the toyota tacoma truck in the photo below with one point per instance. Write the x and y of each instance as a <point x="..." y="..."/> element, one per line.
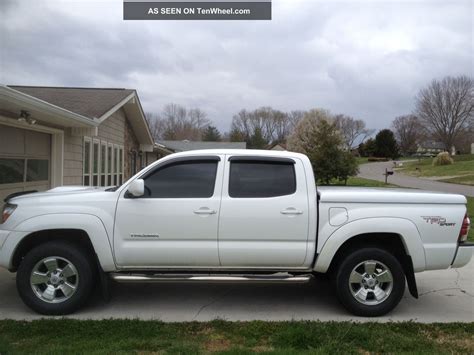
<point x="230" y="216"/>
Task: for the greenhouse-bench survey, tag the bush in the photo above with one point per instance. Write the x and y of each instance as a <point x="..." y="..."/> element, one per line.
<point x="443" y="158"/>
<point x="317" y="137"/>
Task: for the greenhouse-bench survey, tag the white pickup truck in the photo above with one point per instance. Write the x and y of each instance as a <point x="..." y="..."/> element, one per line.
<point x="233" y="216"/>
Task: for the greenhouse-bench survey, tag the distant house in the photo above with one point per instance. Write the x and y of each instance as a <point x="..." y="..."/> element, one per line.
<point x="430" y="148"/>
<point x="54" y="136"/>
<point x="277" y="146"/>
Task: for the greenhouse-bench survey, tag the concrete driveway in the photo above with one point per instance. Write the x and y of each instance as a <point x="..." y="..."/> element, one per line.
<point x="375" y="171"/>
<point x="445" y="296"/>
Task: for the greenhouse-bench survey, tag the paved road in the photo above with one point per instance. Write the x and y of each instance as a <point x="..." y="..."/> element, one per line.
<point x="446" y="296"/>
<point x="375" y="171"/>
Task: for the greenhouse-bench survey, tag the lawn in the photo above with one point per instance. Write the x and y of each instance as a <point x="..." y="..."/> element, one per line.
<point x="65" y="336"/>
<point x="358" y="181"/>
<point x="461" y="172"/>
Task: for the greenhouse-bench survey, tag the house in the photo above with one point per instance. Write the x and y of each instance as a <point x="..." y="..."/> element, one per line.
<point x="54" y="136"/>
<point x="430" y="148"/>
<point x="277" y="146"/>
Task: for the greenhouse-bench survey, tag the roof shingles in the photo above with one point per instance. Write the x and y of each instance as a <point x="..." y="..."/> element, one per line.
<point x="88" y="102"/>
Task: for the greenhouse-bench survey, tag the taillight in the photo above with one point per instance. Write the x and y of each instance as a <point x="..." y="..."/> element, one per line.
<point x="466" y="223"/>
<point x="8" y="209"/>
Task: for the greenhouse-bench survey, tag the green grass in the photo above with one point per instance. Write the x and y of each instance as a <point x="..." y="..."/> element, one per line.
<point x="462" y="171"/>
<point x="463" y="180"/>
<point x="66" y="336"/>
<point x="362" y="160"/>
<point x="358" y="181"/>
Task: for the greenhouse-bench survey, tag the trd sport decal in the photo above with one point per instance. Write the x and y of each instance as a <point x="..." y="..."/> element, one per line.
<point x="441" y="221"/>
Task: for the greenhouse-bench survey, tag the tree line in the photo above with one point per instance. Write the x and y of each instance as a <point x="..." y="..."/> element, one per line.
<point x="259" y="128"/>
<point x="443" y="113"/>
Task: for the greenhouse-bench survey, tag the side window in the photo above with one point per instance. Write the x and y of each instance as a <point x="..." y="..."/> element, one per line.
<point x="192" y="179"/>
<point x="261" y="179"/>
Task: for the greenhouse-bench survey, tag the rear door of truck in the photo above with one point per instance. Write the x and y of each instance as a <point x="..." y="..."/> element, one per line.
<point x="263" y="218"/>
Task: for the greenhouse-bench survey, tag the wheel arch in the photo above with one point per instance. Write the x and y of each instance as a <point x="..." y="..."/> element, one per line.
<point x="75" y="236"/>
<point x="392" y="234"/>
<point x="86" y="230"/>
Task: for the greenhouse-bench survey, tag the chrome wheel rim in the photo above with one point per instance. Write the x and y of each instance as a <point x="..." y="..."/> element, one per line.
<point x="371" y="282"/>
<point x="54" y="279"/>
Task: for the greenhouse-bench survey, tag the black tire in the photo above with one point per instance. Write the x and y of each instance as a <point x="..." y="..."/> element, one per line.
<point x="73" y="253"/>
<point x="345" y="290"/>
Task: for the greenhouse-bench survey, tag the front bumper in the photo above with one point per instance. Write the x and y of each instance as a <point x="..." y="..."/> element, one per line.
<point x="463" y="255"/>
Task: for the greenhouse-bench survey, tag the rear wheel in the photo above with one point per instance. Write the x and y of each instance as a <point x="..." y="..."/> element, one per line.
<point x="370" y="282"/>
<point x="55" y="278"/>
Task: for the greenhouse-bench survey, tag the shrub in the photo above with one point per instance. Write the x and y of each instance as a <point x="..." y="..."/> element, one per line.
<point x="443" y="158"/>
<point x="317" y="137"/>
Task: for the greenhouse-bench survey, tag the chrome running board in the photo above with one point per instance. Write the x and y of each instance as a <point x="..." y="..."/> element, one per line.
<point x="263" y="278"/>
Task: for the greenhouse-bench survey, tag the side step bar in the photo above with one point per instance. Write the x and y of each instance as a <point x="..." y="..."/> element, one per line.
<point x="275" y="278"/>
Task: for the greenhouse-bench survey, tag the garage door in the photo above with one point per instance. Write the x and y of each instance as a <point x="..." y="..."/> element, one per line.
<point x="25" y="160"/>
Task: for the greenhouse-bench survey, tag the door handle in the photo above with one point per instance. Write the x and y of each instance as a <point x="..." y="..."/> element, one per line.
<point x="204" y="210"/>
<point x="291" y="211"/>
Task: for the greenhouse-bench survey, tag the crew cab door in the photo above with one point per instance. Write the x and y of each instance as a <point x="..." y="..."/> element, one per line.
<point x="175" y="223"/>
<point x="264" y="213"/>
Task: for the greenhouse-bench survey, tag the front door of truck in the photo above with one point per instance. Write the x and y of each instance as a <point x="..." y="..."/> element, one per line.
<point x="264" y="213"/>
<point x="175" y="223"/>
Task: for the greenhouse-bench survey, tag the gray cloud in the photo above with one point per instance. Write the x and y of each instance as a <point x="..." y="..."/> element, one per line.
<point x="363" y="58"/>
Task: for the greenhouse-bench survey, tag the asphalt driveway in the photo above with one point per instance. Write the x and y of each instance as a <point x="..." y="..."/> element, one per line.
<point x="445" y="296"/>
<point x="375" y="171"/>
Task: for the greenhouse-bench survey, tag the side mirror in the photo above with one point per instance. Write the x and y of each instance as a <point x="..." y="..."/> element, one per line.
<point x="137" y="188"/>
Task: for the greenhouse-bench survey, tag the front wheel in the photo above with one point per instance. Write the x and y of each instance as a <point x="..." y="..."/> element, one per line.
<point x="370" y="282"/>
<point x="55" y="278"/>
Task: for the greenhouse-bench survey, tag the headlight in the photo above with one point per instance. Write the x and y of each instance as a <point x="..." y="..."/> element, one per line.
<point x="8" y="209"/>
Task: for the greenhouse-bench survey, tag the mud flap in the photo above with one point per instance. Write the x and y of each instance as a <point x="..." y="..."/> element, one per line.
<point x="410" y="275"/>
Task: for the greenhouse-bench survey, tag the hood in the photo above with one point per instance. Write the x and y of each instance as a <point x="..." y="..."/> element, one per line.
<point x="55" y="192"/>
<point x="386" y="195"/>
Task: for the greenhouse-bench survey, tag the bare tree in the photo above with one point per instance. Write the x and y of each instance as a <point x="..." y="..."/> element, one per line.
<point x="175" y="122"/>
<point x="409" y="132"/>
<point x="156" y="125"/>
<point x="353" y="131"/>
<point x="273" y="126"/>
<point x="446" y="108"/>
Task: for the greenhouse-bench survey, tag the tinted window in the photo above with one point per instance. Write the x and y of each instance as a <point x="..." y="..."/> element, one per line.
<point x="182" y="180"/>
<point x="261" y="179"/>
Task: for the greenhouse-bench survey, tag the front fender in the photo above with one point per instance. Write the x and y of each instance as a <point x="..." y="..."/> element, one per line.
<point x="401" y="226"/>
<point x="90" y="224"/>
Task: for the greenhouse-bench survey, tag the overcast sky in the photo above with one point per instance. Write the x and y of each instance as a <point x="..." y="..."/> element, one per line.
<point x="366" y="59"/>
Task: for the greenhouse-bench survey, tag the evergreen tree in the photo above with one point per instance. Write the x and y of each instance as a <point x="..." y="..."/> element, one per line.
<point x="317" y="137"/>
<point x="257" y="141"/>
<point x="211" y="134"/>
<point x="386" y="145"/>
